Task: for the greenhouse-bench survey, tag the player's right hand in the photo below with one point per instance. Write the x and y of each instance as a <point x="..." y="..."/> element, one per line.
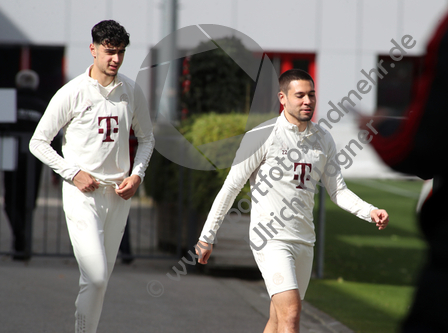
<point x="85" y="182"/>
<point x="203" y="250"/>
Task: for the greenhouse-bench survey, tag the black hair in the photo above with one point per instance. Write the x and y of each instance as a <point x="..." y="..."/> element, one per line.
<point x="110" y="32"/>
<point x="292" y="75"/>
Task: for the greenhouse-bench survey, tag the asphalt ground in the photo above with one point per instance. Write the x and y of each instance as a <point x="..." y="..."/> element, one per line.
<point x="39" y="295"/>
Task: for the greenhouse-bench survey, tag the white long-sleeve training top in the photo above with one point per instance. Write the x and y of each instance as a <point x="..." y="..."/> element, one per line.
<point x="96" y="123"/>
<point x="284" y="173"/>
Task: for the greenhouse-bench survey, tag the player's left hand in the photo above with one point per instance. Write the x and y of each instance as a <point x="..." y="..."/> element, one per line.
<point x="380" y="217"/>
<point x="128" y="187"/>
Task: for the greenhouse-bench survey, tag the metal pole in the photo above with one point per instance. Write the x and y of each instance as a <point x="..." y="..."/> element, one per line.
<point x="180" y="234"/>
<point x="321" y="235"/>
<point x="29" y="203"/>
<point x="168" y="102"/>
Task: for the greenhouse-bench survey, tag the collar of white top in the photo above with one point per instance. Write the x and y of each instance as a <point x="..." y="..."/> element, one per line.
<point x="285" y="123"/>
<point x="116" y="79"/>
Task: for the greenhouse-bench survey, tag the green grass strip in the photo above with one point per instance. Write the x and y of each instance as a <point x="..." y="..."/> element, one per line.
<point x="364" y="307"/>
<point x="376" y="269"/>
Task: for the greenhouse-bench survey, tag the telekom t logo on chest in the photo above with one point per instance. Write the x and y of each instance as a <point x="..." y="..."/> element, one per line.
<point x="109" y="128"/>
<point x="302" y="173"/>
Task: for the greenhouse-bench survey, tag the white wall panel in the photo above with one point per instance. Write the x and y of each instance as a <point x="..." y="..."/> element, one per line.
<point x="279" y="25"/>
<point x="420" y="18"/>
<point x="83" y="15"/>
<point x="339" y="25"/>
<point x="134" y="15"/>
<point x="336" y="77"/>
<point x="43" y="22"/>
<point x="207" y="12"/>
<point x="379" y="24"/>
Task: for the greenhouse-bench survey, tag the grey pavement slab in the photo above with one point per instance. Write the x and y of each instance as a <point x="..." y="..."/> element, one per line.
<point x="39" y="297"/>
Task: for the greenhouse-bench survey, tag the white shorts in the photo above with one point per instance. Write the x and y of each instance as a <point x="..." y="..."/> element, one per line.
<point x="285" y="266"/>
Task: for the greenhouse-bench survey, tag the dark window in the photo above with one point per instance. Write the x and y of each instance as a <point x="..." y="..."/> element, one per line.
<point x="47" y="61"/>
<point x="395" y="89"/>
<point x="10" y="60"/>
<point x="303" y="64"/>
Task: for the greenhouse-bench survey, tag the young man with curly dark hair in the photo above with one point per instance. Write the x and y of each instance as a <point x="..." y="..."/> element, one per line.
<point x="96" y="110"/>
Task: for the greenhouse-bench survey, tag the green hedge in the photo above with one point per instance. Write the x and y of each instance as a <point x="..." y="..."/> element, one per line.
<point x="199" y="187"/>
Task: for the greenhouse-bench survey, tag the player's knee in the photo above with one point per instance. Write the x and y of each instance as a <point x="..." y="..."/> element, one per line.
<point x="273" y="319"/>
<point x="293" y="312"/>
<point x="99" y="283"/>
<point x="291" y="315"/>
<point x="292" y="320"/>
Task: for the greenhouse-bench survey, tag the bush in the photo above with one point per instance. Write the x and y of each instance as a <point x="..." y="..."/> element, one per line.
<point x="199" y="187"/>
<point x="203" y="130"/>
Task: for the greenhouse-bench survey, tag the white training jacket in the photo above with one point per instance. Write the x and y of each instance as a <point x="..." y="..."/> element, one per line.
<point x="283" y="175"/>
<point x="96" y="130"/>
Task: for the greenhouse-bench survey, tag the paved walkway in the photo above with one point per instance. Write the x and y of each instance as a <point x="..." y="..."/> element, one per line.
<point x="39" y="297"/>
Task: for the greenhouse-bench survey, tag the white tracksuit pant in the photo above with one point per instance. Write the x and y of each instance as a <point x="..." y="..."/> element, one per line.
<point x="96" y="222"/>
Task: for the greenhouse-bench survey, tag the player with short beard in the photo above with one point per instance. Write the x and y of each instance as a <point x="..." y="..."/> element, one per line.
<point x="283" y="206"/>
